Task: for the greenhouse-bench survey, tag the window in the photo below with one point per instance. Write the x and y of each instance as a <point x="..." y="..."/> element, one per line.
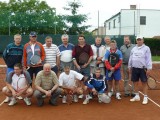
<point x="109" y="26"/>
<point x="114" y="23"/>
<point x="118" y="19"/>
<point x="142" y="20"/>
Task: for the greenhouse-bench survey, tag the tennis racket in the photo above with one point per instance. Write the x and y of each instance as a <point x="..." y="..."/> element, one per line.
<point x="35" y="59"/>
<point x="113" y="60"/>
<point x="21" y="84"/>
<point x="83" y="58"/>
<point x="151" y="82"/>
<point x="104" y="98"/>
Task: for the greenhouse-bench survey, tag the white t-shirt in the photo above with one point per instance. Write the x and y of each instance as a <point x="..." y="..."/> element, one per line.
<point x="19" y="82"/>
<point x="69" y="80"/>
<point x="32" y="47"/>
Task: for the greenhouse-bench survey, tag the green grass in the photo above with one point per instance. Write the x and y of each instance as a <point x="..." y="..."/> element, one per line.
<point x="156" y="58"/>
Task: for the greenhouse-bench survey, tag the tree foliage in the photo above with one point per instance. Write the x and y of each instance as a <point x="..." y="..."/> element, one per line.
<point x="75" y="21"/>
<point x="23" y="16"/>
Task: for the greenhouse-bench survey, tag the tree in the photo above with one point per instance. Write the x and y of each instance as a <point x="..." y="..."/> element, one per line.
<point x="23" y="16"/>
<point x="75" y="20"/>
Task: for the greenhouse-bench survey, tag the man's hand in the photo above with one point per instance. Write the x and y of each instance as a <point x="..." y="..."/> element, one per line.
<point x="94" y="91"/>
<point x="78" y="67"/>
<point x="112" y="69"/>
<point x="85" y="65"/>
<point x="48" y="93"/>
<point x="14" y="94"/>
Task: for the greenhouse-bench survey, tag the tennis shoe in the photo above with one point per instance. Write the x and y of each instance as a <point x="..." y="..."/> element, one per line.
<point x="145" y="100"/>
<point x="118" y="97"/>
<point x="75" y="98"/>
<point x="20" y="97"/>
<point x="12" y="102"/>
<point x="27" y="101"/>
<point x="86" y="101"/>
<point x="64" y="99"/>
<point x="136" y="98"/>
<point x="110" y="94"/>
<point x="7" y="99"/>
<point x="80" y="96"/>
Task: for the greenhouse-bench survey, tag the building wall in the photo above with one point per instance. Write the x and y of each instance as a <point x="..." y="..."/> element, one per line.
<point x="113" y="30"/>
<point x="130" y="23"/>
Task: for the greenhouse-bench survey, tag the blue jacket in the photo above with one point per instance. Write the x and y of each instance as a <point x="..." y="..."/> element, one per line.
<point x="98" y="83"/>
<point x="13" y="54"/>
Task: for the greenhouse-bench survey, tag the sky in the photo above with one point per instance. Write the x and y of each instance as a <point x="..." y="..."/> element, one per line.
<point x="106" y="8"/>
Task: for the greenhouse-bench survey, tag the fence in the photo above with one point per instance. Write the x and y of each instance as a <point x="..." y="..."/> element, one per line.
<point x="5" y="40"/>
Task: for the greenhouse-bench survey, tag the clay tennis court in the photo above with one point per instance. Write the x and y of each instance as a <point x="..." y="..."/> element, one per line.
<point x="116" y="110"/>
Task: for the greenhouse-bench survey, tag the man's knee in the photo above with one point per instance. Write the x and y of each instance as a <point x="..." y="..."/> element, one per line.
<point x="5" y="90"/>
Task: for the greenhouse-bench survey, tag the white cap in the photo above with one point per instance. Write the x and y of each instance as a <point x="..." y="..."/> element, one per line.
<point x="139" y="37"/>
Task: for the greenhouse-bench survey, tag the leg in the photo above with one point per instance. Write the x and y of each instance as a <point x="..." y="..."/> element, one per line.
<point x="55" y="95"/>
<point x="126" y="80"/>
<point x="38" y="95"/>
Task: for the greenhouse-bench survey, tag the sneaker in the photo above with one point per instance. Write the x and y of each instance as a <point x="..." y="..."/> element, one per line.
<point x="90" y="96"/>
<point x="86" y="101"/>
<point x="12" y="102"/>
<point x="64" y="99"/>
<point x="136" y="98"/>
<point x="110" y="94"/>
<point x="80" y="96"/>
<point x="7" y="99"/>
<point x="118" y="96"/>
<point x="20" y="97"/>
<point x="99" y="99"/>
<point x="75" y="98"/>
<point x="145" y="100"/>
<point x="133" y="95"/>
<point x="27" y="101"/>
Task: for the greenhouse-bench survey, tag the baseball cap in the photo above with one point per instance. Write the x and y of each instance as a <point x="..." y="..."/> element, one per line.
<point x="33" y="33"/>
<point x="139" y="37"/>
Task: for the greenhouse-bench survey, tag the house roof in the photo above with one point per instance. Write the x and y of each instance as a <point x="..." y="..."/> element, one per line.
<point x="113" y="16"/>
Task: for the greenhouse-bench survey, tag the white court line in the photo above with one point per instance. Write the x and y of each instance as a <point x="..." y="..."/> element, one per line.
<point x="148" y="97"/>
<point x="2" y="102"/>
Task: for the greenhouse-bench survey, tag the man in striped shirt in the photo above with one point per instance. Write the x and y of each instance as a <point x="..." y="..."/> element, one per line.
<point x="52" y="54"/>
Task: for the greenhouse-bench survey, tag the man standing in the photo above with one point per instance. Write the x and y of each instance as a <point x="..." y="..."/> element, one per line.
<point x="46" y="84"/>
<point x="13" y="54"/>
<point x="98" y="49"/>
<point x="113" y="61"/>
<point x="66" y="53"/>
<point x="32" y="49"/>
<point x="140" y="64"/>
<point x="82" y="55"/>
<point x="126" y="50"/>
<point x="52" y="54"/>
<point x="18" y="84"/>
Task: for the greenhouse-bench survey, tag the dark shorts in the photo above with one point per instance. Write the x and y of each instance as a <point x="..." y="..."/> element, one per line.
<point x="55" y="69"/>
<point x="138" y="73"/>
<point x="115" y="76"/>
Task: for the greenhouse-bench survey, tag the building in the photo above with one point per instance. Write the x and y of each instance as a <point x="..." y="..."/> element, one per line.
<point x="134" y="21"/>
<point x="99" y="31"/>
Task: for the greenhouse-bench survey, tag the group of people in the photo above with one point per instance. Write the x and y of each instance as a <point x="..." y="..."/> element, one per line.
<point x="74" y="71"/>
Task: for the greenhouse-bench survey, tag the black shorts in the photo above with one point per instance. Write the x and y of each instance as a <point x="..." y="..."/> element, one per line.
<point x="138" y="73"/>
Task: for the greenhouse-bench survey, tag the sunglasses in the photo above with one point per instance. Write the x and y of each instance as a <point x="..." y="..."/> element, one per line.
<point x="33" y="36"/>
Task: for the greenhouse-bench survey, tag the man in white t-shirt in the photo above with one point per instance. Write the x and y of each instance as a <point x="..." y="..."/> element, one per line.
<point x="18" y="84"/>
<point x="71" y="82"/>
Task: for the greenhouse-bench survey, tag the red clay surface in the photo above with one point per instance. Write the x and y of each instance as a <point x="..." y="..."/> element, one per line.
<point x="116" y="110"/>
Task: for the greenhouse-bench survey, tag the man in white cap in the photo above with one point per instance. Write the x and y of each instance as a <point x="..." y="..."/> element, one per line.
<point x="140" y="64"/>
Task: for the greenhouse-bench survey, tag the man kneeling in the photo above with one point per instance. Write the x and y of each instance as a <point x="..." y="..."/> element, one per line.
<point x="18" y="84"/>
<point x="46" y="84"/>
<point x="96" y="85"/>
<point x="71" y="82"/>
